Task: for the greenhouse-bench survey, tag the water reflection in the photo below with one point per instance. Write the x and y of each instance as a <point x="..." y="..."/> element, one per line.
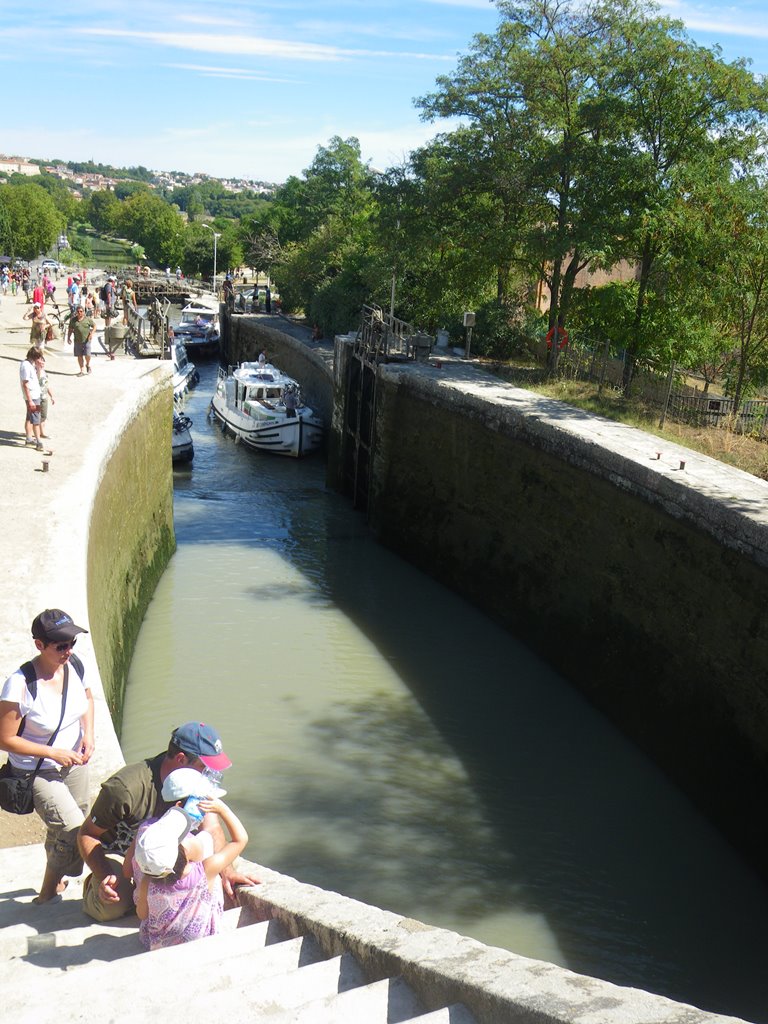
<point x="393" y="744"/>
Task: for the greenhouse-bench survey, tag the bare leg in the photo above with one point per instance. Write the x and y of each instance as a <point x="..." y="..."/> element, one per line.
<point x="53" y="884"/>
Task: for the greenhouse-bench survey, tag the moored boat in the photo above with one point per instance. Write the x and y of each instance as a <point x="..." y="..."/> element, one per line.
<point x="264" y="409"/>
<point x="198" y="327"/>
<point x="185" y="375"/>
<point x="182" y="447"/>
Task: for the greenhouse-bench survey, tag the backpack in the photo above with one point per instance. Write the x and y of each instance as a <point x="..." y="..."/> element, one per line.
<point x="31" y="680"/>
<point x="103" y="294"/>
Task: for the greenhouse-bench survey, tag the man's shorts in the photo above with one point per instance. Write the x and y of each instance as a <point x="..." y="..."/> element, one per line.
<point x="33" y="417"/>
<point x="82" y="348"/>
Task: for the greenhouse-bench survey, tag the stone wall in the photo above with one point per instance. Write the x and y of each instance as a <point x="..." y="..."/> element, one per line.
<point x="131" y="534"/>
<point x="642" y="583"/>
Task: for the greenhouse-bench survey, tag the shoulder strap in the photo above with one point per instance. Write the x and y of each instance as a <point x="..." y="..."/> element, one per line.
<point x="77" y="665"/>
<point x="30" y="676"/>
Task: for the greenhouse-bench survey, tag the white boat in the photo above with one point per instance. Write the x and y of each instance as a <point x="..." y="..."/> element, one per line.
<point x="185" y="375"/>
<point x="182" y="448"/>
<point x="263" y="408"/>
<point x="198" y="327"/>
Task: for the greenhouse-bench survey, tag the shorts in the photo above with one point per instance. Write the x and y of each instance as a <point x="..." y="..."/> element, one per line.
<point x="82" y="348"/>
<point x="33" y="416"/>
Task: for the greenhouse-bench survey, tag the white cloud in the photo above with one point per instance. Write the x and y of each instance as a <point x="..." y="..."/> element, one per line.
<point x="251" y="45"/>
<point x="246" y="74"/>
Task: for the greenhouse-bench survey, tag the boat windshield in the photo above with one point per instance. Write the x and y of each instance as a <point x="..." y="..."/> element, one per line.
<point x="261" y="394"/>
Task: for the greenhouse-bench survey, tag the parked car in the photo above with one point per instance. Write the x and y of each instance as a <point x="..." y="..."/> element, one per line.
<point x="50" y="265"/>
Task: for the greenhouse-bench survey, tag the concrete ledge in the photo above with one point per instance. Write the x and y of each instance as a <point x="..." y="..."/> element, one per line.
<point x="444" y="967"/>
<point x="724" y="501"/>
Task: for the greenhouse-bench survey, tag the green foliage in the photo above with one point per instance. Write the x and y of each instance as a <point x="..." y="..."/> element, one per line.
<point x="214" y="200"/>
<point x="148" y="220"/>
<point x="89" y="167"/>
<point x="31" y="222"/>
<point x="80" y="250"/>
<point x="102" y="210"/>
<point x="126" y="189"/>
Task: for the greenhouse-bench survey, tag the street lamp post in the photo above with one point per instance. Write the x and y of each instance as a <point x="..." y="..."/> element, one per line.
<point x="216" y="237"/>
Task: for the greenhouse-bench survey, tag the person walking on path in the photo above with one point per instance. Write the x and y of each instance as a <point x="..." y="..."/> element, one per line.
<point x="52" y="688"/>
<point x="39" y="326"/>
<point x="178" y="891"/>
<point x="73" y="293"/>
<point x="30" y="389"/>
<point x="80" y="330"/>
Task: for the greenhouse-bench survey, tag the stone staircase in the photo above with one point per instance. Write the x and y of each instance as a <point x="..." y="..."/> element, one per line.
<point x="292" y="954"/>
<point x="58" y="966"/>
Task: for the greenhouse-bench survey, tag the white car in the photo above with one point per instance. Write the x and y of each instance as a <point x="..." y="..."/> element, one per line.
<point x="50" y="265"/>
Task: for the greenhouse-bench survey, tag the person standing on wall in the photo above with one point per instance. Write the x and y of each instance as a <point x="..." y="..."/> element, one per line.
<point x="52" y="688"/>
<point x="30" y="389"/>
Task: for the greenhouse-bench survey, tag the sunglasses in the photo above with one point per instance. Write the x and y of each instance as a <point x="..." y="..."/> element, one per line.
<point x="64" y="647"/>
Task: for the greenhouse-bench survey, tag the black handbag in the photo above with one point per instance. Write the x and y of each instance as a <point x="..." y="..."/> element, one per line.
<point x="16" y="790"/>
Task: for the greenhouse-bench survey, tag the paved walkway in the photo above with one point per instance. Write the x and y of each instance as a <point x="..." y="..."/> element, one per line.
<point x="45" y="516"/>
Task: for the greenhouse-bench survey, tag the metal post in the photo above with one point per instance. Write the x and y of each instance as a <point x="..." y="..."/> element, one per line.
<point x="670" y="379"/>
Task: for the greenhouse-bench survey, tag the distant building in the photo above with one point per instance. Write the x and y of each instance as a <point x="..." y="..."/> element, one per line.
<point x="17" y="165"/>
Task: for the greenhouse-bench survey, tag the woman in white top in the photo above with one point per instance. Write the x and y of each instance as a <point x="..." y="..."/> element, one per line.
<point x="28" y="718"/>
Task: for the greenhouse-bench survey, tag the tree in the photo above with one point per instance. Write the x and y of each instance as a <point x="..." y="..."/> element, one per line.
<point x="32" y="222"/>
<point x="103" y="211"/>
<point x="731" y="271"/>
<point x="147" y="219"/>
<point x="682" y="104"/>
<point x="543" y="122"/>
<point x="323" y="224"/>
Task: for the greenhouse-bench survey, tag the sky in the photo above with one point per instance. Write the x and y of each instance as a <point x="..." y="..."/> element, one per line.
<point x="251" y="88"/>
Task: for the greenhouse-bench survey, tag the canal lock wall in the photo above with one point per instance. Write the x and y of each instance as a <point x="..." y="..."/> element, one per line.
<point x="640" y="574"/>
<point x="131" y="536"/>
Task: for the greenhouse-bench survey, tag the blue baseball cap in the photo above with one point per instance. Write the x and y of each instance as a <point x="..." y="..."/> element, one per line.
<point x="201" y="740"/>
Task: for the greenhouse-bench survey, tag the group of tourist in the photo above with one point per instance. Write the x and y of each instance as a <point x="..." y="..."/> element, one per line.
<point x="153" y="839"/>
<point x="84" y="307"/>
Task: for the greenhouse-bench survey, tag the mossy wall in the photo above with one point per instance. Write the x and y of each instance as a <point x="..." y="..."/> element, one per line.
<point x="658" y="623"/>
<point x="131" y="539"/>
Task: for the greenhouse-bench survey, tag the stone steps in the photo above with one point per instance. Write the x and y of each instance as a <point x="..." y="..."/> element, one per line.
<point x="56" y="964"/>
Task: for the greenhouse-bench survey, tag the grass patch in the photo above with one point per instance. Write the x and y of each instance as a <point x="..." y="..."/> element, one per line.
<point x="741" y="450"/>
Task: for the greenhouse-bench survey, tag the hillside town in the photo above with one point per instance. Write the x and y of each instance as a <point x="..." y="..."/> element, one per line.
<point x="96" y="181"/>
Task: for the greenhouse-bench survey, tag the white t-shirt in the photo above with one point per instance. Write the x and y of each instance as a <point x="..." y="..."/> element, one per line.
<point x="28" y="373"/>
<point x="42" y="715"/>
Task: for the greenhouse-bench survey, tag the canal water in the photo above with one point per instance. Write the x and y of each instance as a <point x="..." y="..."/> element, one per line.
<point x="392" y="744"/>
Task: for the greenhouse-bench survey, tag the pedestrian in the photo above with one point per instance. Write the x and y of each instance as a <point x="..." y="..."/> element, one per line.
<point x="268" y="300"/>
<point x="73" y="294"/>
<point x="46" y="395"/>
<point x="30" y="389"/>
<point x="34" y="698"/>
<point x="125" y="800"/>
<point x="178" y="890"/>
<point x="109" y="297"/>
<point x="25" y="285"/>
<point x="39" y="325"/>
<point x="80" y="329"/>
<point x="129" y="300"/>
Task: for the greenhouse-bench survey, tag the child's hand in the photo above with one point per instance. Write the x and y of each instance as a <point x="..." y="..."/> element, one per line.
<point x="212" y="806"/>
